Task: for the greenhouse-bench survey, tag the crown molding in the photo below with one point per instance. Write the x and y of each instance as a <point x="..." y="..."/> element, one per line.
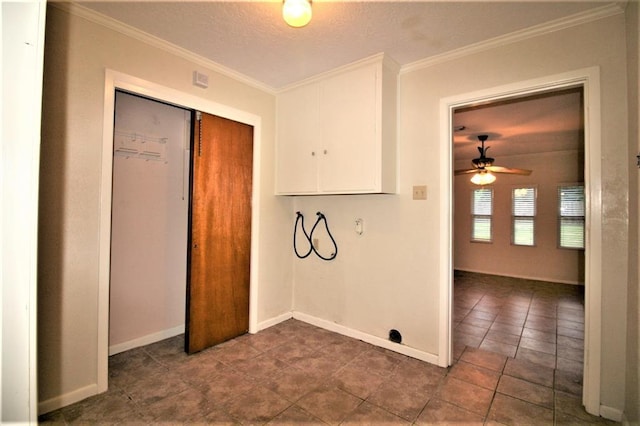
<point x="535" y="31"/>
<point x="105" y="21"/>
<point x="376" y="58"/>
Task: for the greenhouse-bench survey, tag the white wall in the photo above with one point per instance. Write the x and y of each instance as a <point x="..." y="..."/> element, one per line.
<point x="22" y="57"/>
<point x="545" y="261"/>
<point x="148" y="222"/>
<point x="389" y="277"/>
<point x="78" y="51"/>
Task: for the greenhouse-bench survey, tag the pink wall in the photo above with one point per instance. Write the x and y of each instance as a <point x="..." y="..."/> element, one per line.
<point x="545" y="261"/>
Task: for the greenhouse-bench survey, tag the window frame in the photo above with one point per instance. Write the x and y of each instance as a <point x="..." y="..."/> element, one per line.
<point x="489" y="216"/>
<point x="561" y="216"/>
<point x="515" y="217"/>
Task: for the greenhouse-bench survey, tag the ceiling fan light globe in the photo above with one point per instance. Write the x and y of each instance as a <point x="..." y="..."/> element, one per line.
<point x="296" y="13"/>
<point x="483" y="178"/>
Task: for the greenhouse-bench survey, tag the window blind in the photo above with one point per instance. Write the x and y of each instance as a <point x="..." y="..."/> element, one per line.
<point x="482" y="201"/>
<point x="481" y="210"/>
<point x="572" y="222"/>
<point x="523" y="206"/>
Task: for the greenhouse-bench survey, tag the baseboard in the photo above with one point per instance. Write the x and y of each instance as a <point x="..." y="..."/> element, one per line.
<point x="523" y="277"/>
<point x="274" y="321"/>
<point x="67" y="399"/>
<point x="611" y="413"/>
<point x="374" y="340"/>
<point x="146" y="340"/>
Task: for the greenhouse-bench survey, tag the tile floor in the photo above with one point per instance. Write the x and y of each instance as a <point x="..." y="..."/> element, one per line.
<point x="507" y="372"/>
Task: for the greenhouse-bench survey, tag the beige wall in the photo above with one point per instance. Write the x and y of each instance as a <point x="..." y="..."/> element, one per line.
<point x="632" y="408"/>
<point x="77" y="54"/>
<point x="386" y="278"/>
<point x="545" y="261"/>
<point x="389" y="276"/>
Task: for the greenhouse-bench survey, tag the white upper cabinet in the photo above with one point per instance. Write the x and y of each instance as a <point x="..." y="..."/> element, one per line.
<point x="337" y="134"/>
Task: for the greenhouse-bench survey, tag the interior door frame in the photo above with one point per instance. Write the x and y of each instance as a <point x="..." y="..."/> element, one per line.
<point x="589" y="80"/>
<point x="115" y="80"/>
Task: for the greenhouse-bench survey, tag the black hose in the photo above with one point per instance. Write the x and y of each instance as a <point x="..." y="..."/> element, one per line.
<point x="323" y="218"/>
<point x="300" y="218"/>
<point x="309" y="237"/>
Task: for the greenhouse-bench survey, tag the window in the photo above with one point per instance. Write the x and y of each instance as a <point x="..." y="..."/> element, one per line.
<point x="571" y="216"/>
<point x="523" y="208"/>
<point x="481" y="211"/>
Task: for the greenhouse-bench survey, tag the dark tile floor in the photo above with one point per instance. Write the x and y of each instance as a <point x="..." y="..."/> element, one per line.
<point x="295" y="373"/>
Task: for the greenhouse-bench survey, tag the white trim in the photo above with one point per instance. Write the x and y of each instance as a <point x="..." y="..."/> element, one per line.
<point x="524" y="277"/>
<point x="67" y="399"/>
<point x="386" y="60"/>
<point x="20" y="130"/>
<point x="274" y="321"/>
<point x="136" y="34"/>
<point x="611" y="413"/>
<point x="535" y="31"/>
<point x="589" y="79"/>
<point x="117" y="80"/>
<point x="146" y="340"/>
<point x="374" y="340"/>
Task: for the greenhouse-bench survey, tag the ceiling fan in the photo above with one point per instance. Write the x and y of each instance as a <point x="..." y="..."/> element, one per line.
<point x="483" y="167"/>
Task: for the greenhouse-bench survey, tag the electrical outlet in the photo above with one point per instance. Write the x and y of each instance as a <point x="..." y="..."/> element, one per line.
<point x="420" y="192"/>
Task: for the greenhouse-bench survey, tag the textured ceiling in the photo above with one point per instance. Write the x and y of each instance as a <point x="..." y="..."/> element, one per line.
<point x="542" y="123"/>
<point x="252" y="39"/>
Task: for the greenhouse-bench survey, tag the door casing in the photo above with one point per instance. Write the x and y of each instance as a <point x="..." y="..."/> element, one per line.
<point x="116" y="80"/>
<point x="589" y="80"/>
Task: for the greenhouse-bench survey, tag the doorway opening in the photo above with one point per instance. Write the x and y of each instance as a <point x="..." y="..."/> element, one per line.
<point x="586" y="82"/>
<point x="180" y="247"/>
<point x="115" y="81"/>
<point x="518" y="252"/>
<point x="149" y="221"/>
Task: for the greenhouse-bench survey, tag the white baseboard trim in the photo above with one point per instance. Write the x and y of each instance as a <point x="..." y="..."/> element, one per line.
<point x="524" y="277"/>
<point x="625" y="420"/>
<point x="274" y="321"/>
<point x="67" y="399"/>
<point x="611" y="413"/>
<point x="146" y="340"/>
<point x="374" y="340"/>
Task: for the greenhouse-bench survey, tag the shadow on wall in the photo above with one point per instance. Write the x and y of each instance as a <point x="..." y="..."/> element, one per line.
<point x="51" y="211"/>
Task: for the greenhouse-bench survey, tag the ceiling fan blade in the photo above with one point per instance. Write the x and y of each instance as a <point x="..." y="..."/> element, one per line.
<point x="508" y="170"/>
<point x="465" y="172"/>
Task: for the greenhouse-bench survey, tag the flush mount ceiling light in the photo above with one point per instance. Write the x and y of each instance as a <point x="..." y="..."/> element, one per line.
<point x="296" y="13"/>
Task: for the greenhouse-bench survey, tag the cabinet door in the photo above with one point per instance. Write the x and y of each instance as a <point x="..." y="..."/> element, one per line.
<point x="298" y="141"/>
<point x="351" y="146"/>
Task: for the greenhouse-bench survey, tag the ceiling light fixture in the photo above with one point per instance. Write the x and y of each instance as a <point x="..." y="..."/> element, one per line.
<point x="483" y="178"/>
<point x="296" y="13"/>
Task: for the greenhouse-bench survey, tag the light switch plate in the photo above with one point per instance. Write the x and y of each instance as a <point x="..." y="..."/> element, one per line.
<point x="420" y="192"/>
